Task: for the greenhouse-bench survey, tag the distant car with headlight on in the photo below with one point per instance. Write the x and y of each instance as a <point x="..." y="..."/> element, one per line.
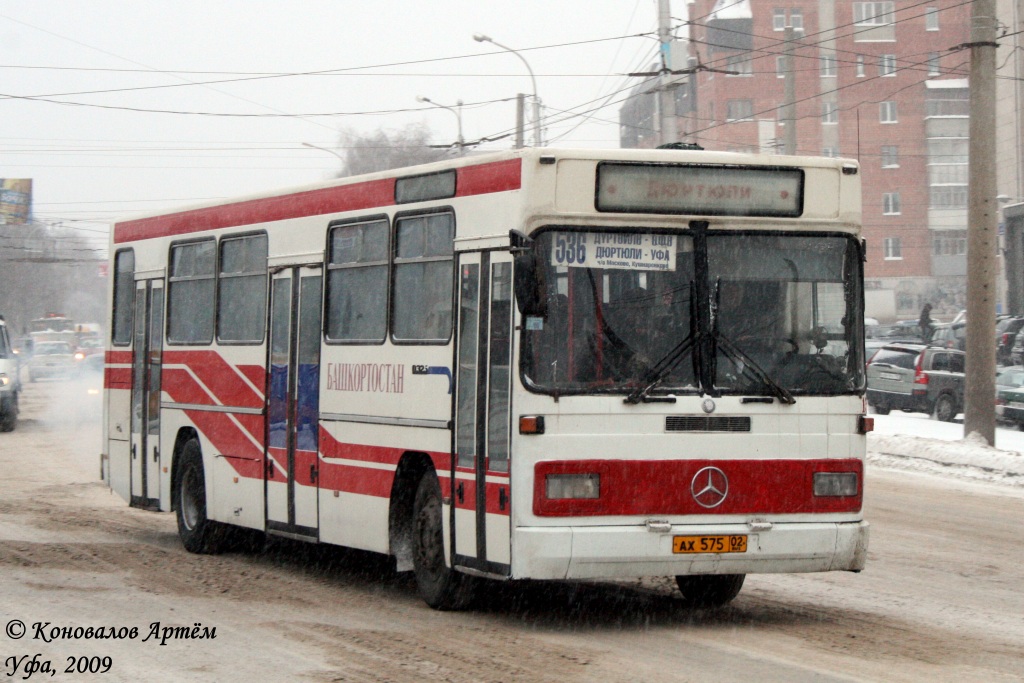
<point x="10" y="383"/>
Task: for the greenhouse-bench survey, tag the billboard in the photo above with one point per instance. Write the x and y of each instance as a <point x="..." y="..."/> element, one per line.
<point x="15" y="200"/>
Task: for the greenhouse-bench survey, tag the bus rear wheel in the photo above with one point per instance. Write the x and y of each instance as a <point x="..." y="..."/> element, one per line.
<point x="198" y="533"/>
<point x="709" y="590"/>
<point x="440" y="586"/>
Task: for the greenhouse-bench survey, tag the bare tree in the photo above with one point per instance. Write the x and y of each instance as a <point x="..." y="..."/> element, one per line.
<point x="382" y="149"/>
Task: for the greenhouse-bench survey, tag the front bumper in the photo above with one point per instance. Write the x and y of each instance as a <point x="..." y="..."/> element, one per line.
<point x="633" y="551"/>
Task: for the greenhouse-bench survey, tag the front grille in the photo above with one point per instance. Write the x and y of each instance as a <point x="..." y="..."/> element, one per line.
<point x="706" y="423"/>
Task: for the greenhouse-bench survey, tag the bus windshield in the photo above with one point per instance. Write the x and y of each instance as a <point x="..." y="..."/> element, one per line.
<point x="638" y="312"/>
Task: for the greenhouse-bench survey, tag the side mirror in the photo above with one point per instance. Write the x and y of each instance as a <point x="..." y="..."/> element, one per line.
<point x="528" y="283"/>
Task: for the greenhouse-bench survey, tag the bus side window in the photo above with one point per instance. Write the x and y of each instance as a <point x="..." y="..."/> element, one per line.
<point x="124" y="297"/>
<point x="422" y="306"/>
<point x="191" y="295"/>
<point x="357" y="283"/>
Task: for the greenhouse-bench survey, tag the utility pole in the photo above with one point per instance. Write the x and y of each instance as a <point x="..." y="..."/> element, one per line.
<point x="666" y="93"/>
<point x="789" y="96"/>
<point x="520" y="108"/>
<point x="982" y="225"/>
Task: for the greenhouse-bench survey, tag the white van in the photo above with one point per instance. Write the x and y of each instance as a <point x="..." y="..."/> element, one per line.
<point x="10" y="383"/>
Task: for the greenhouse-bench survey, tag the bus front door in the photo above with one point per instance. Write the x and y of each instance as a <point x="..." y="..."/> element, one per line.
<point x="147" y="358"/>
<point x="480" y="492"/>
<point x="293" y="402"/>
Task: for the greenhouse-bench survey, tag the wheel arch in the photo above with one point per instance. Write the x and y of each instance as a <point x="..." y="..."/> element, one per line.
<point x="412" y="466"/>
<point x="184" y="435"/>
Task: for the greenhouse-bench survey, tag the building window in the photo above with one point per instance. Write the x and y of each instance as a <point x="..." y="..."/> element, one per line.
<point x="191" y="295"/>
<point x="829" y="112"/>
<point x="796" y="19"/>
<point x="357" y="283"/>
<point x="887" y="111"/>
<point x="778" y="19"/>
<point x="948" y="107"/>
<point x="828" y="66"/>
<point x="887" y="65"/>
<point x="780" y="66"/>
<point x="933" y="64"/>
<point x="422" y="308"/>
<point x="893" y="249"/>
<point x="949" y="246"/>
<point x="739" y="110"/>
<point x="741" y="64"/>
<point x="860" y="66"/>
<point x="947" y="197"/>
<point x="891" y="204"/>
<point x="873" y="13"/>
<point x="242" y="287"/>
<point x="890" y="156"/>
<point x="931" y="19"/>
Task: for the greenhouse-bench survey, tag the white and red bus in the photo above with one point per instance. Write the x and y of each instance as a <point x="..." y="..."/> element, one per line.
<point x="540" y="364"/>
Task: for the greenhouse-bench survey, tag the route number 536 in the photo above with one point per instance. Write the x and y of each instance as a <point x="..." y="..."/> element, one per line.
<point x="570" y="247"/>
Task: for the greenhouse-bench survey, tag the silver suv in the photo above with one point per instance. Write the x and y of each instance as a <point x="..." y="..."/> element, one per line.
<point x="917" y="378"/>
<point x="10" y="385"/>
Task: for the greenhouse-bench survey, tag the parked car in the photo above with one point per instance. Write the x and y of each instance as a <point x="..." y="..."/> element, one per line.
<point x="1017" y="350"/>
<point x="51" y="359"/>
<point x="1010" y="395"/>
<point x="917" y="378"/>
<point x="1006" y="335"/>
<point x="949" y="335"/>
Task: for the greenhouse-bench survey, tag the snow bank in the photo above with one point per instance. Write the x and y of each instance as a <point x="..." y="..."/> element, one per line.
<point x="919" y="444"/>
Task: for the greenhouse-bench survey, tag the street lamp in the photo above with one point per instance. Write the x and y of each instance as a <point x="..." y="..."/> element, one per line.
<point x="481" y="38"/>
<point x="458" y="117"/>
<point x="325" y="149"/>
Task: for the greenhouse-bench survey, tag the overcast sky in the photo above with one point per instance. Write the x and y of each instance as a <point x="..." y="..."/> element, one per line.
<point x="84" y="85"/>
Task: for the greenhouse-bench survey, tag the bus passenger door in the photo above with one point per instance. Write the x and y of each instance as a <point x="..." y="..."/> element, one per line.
<point x="480" y="493"/>
<point x="293" y="403"/>
<point x="146" y="365"/>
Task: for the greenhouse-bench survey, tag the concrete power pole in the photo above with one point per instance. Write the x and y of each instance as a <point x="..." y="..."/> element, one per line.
<point x="982" y="226"/>
<point x="520" y="107"/>
<point x="666" y="93"/>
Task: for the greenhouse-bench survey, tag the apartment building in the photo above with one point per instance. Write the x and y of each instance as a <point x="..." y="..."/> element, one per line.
<point x="882" y="82"/>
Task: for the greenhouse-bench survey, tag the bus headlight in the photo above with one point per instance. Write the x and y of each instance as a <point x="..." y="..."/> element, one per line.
<point x="834" y="484"/>
<point x="572" y="486"/>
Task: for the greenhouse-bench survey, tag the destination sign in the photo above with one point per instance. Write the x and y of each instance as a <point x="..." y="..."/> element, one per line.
<point x="622" y="251"/>
<point x="700" y="190"/>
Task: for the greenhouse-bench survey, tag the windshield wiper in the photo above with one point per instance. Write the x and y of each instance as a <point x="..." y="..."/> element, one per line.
<point x="661" y="369"/>
<point x="735" y="354"/>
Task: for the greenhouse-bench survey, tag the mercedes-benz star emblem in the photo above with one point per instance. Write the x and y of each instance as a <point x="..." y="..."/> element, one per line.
<point x="708" y="406"/>
<point x="709" y="487"/>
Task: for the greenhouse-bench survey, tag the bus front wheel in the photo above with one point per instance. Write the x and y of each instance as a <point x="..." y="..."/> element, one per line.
<point x="198" y="533"/>
<point x="709" y="590"/>
<point x="441" y="587"/>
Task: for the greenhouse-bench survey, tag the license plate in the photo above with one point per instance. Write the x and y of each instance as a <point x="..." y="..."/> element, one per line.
<point x="889" y="375"/>
<point x="709" y="544"/>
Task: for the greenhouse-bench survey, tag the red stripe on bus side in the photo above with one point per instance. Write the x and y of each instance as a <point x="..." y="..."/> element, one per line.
<point x="118" y="357"/>
<point x="255" y="374"/>
<point x="663" y="487"/>
<point x="217" y="375"/>
<point x="117" y="378"/>
<point x="311" y="203"/>
<point x="499" y="176"/>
